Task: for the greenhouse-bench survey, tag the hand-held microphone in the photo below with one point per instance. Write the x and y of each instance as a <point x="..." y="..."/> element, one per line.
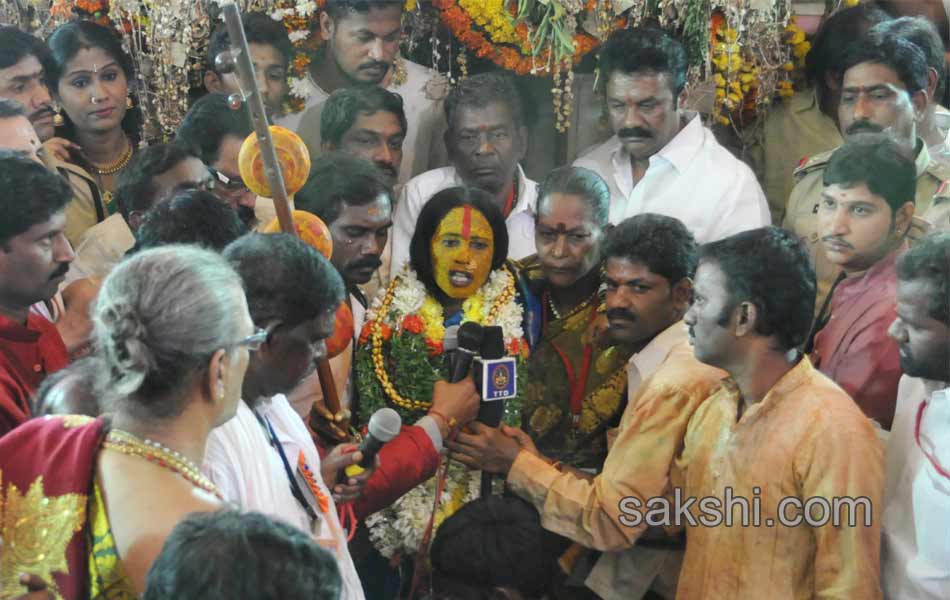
<point x="470" y="337"/>
<point x="496" y="377"/>
<point x="384" y="425"/>
<point x="450" y="346"/>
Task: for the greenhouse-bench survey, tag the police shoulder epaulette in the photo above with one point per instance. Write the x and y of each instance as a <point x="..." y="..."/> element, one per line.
<point x="810" y="163"/>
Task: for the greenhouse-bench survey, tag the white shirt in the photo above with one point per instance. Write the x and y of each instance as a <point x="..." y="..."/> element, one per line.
<point x="247" y="469"/>
<point x="422" y="94"/>
<point x="101" y="248"/>
<point x="692" y="178"/>
<point x="421" y="188"/>
<point x="915" y="553"/>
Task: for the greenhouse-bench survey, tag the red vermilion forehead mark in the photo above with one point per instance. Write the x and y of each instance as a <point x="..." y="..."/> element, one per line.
<point x="467" y="222"/>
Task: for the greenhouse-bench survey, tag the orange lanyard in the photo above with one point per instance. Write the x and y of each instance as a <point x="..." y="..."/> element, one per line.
<point x="577" y="385"/>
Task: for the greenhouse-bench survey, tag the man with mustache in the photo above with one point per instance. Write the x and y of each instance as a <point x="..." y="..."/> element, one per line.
<point x="361" y="47"/>
<point x="649" y="261"/>
<point x="865" y="213"/>
<point x="662" y="159"/>
<point x="486" y="141"/>
<point x="22" y="77"/>
<point x="34" y="259"/>
<point x="352" y="197"/>
<point x="883" y="89"/>
<point x="368" y="122"/>
<point x="264" y="459"/>
<point x="915" y="555"/>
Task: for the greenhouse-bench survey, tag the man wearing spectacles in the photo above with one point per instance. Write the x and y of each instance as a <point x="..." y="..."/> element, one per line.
<point x="154" y="175"/>
<point x="216" y="133"/>
<point x="915" y="553"/>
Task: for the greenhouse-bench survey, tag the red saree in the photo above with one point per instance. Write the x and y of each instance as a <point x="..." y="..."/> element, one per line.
<point x="47" y="467"/>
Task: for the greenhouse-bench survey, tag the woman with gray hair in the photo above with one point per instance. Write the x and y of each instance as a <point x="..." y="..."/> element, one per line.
<point x="173" y="333"/>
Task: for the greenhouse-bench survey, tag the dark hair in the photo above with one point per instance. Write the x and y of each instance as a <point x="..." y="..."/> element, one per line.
<point x="16" y="44"/>
<point x="10" y="108"/>
<point x="644" y="49"/>
<point x="496" y="541"/>
<point x="929" y="259"/>
<point x="833" y="37"/>
<point x="208" y="122"/>
<point x="344" y="105"/>
<point x="31" y="194"/>
<point x="225" y="555"/>
<point x="578" y="181"/>
<point x="259" y="28"/>
<point x="478" y="91"/>
<point x="135" y="190"/>
<point x="338" y="9"/>
<point x="770" y="268"/>
<point x="877" y="161"/>
<point x="663" y="244"/>
<point x="285" y="279"/>
<point x="337" y="179"/>
<point x="66" y="42"/>
<point x="922" y="33"/>
<point x="902" y="56"/>
<point x="190" y="217"/>
<point x="432" y="213"/>
<point x="84" y="393"/>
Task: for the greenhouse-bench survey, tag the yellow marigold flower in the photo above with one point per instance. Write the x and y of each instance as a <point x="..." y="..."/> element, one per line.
<point x="800" y="50"/>
<point x="852" y="2"/>
<point x="789" y="66"/>
<point x="730" y="35"/>
<point x="720" y="80"/>
<point x="797" y="36"/>
<point x="723" y="119"/>
<point x="720" y="93"/>
<point x="747" y="78"/>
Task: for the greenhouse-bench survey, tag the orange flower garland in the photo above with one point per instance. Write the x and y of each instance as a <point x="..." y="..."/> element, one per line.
<point x="463" y="28"/>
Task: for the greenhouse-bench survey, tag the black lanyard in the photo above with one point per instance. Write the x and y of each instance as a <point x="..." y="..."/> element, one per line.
<point x="294" y="486"/>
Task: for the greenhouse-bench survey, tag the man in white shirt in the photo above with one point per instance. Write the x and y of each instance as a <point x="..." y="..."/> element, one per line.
<point x="362" y="47"/>
<point x="661" y="159"/>
<point x="486" y="140"/>
<point x="264" y="459"/>
<point x="915" y="553"/>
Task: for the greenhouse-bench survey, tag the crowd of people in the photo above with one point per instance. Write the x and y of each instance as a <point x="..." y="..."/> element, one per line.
<point x="730" y="383"/>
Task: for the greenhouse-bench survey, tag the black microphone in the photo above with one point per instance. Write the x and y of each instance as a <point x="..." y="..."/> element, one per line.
<point x="497" y="378"/>
<point x="491" y="369"/>
<point x="450" y="345"/>
<point x="383" y="426"/>
<point x="469" y="342"/>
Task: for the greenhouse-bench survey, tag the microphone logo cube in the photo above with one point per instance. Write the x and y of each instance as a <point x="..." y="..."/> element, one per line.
<point x="499" y="378"/>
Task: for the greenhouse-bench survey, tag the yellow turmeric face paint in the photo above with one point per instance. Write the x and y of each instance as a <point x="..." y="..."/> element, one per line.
<point x="462" y="251"/>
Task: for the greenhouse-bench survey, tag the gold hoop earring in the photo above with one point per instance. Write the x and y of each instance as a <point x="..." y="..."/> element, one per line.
<point x="128" y="102"/>
<point x="58" y="120"/>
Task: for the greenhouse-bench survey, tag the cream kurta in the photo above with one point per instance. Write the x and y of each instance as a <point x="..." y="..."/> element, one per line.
<point x="805" y="439"/>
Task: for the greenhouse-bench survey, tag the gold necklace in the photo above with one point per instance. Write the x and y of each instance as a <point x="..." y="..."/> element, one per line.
<point x="163" y="456"/>
<point x="118" y="164"/>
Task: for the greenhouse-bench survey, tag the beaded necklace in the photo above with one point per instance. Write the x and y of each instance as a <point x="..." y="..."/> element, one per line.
<point x="163" y="456"/>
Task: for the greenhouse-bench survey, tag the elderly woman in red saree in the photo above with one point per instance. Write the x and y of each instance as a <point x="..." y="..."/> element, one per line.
<point x="87" y="504"/>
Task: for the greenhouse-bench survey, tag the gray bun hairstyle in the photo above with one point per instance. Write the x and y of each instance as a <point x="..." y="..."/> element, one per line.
<point x="159" y="317"/>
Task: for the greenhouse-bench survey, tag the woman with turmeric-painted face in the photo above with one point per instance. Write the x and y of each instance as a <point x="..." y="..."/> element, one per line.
<point x="457" y="273"/>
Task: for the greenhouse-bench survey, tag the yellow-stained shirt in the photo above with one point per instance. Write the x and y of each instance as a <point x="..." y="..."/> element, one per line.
<point x="806" y="439"/>
<point x="638" y="464"/>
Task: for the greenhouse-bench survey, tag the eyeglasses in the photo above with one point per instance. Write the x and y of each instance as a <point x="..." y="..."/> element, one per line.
<point x="255" y="340"/>
<point x="232" y="184"/>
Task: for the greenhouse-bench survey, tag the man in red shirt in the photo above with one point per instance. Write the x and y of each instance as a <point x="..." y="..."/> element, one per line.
<point x="34" y="259"/>
<point x="866" y="210"/>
